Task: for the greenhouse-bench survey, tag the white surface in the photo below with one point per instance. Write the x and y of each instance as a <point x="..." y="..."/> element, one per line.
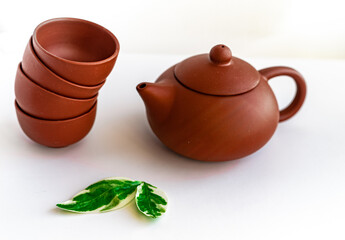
<point x="275" y="28"/>
<point x="293" y="188"/>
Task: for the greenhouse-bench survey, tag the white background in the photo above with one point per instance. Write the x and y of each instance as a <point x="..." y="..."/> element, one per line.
<point x="279" y="28"/>
<point x="293" y="188"/>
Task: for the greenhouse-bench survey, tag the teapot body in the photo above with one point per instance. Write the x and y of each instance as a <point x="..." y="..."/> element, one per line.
<point x="215" y="128"/>
<point x="216" y="107"/>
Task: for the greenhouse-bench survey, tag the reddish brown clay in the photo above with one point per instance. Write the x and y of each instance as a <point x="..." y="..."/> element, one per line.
<point x="45" y="104"/>
<point x="43" y="76"/>
<point x="56" y="133"/>
<point x="77" y="50"/>
<point x="216" y="107"/>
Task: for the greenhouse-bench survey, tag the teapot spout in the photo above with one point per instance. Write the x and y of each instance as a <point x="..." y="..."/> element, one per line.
<point x="158" y="99"/>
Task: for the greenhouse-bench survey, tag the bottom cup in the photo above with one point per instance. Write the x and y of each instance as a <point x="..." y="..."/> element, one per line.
<point x="56" y="133"/>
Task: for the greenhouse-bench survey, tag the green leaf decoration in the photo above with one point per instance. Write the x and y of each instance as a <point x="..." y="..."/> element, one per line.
<point x="106" y="195"/>
<point x="150" y="200"/>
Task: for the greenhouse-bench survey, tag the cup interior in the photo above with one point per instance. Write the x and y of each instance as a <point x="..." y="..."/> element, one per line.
<point x="76" y="40"/>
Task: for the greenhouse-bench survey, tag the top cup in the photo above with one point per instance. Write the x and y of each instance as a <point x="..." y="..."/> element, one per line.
<point x="77" y="50"/>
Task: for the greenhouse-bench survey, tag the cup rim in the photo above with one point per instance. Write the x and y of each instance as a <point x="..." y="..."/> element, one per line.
<point x="20" y="68"/>
<point x="110" y="58"/>
<point x="90" y="111"/>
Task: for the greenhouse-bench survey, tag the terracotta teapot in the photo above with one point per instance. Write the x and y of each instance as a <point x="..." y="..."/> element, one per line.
<point x="217" y="107"/>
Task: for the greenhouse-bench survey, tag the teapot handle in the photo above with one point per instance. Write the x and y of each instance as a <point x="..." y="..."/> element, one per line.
<point x="298" y="100"/>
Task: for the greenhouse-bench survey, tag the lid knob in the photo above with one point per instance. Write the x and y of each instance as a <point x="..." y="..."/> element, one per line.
<point x="220" y="54"/>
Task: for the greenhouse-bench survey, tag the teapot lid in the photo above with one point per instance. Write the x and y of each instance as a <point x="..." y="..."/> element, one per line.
<point x="217" y="73"/>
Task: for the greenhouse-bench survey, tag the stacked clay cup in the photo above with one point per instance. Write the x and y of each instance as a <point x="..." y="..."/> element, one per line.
<point x="65" y="64"/>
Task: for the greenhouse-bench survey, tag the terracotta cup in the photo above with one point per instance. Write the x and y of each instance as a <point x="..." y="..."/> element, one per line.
<point x="56" y="133"/>
<point x="41" y="103"/>
<point x="40" y="74"/>
<point x="77" y="50"/>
